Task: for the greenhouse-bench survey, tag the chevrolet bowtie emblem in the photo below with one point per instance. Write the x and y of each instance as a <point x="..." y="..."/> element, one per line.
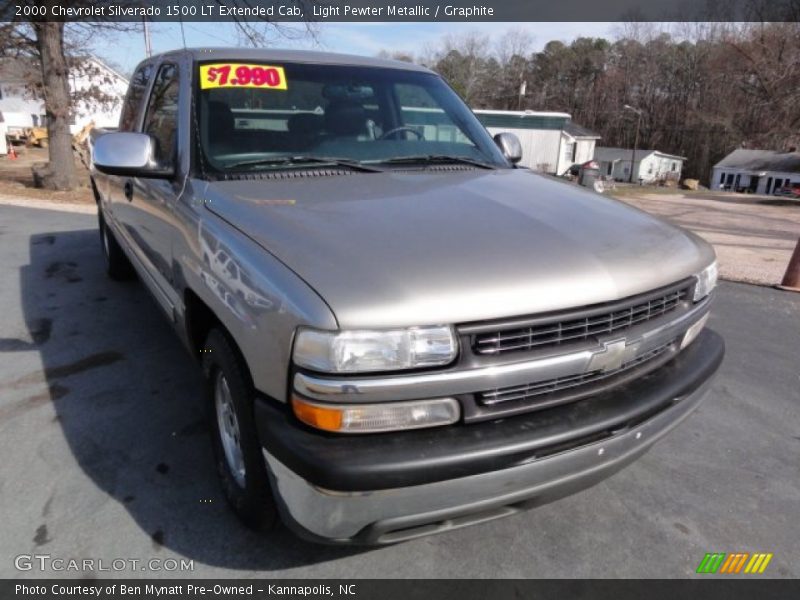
<point x="614" y="354"/>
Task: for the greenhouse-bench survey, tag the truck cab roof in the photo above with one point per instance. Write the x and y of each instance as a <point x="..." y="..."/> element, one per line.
<point x="285" y="55"/>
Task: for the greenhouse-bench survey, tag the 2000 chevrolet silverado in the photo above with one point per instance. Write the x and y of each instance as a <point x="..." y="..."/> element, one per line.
<point x="402" y="333"/>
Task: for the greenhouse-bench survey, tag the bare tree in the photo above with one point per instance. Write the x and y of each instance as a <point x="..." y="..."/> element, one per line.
<point x="52" y="44"/>
<point x="55" y="49"/>
<point x="397" y="55"/>
<point x="462" y="61"/>
<point x="511" y="52"/>
<point x="55" y="86"/>
<point x="703" y="88"/>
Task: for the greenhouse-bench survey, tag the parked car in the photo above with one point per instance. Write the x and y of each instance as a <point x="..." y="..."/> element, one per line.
<point x="790" y="191"/>
<point x="401" y="333"/>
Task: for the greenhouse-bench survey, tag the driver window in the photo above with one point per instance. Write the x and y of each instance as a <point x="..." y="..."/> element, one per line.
<point x="133" y="100"/>
<point x="161" y="119"/>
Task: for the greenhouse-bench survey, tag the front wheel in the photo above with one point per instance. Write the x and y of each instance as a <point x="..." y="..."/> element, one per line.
<point x="237" y="450"/>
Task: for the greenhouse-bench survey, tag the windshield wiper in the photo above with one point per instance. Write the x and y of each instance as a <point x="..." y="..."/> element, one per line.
<point x="289" y="161"/>
<point x="437" y="159"/>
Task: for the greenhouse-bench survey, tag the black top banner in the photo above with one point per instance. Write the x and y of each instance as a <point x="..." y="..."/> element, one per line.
<point x="398" y="11"/>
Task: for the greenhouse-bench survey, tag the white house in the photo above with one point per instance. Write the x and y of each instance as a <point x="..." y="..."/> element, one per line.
<point x="756" y="171"/>
<point x="578" y="146"/>
<point x="650" y="166"/>
<point x="21" y="106"/>
<point x="551" y="142"/>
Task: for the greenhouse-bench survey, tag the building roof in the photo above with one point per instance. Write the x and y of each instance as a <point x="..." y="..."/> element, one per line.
<point x="522" y="119"/>
<point x="608" y="154"/>
<point x="524" y="113"/>
<point x="24" y="69"/>
<point x="762" y="160"/>
<point x="577" y="131"/>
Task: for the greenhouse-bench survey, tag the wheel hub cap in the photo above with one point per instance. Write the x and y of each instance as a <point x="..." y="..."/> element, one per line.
<point x="228" y="426"/>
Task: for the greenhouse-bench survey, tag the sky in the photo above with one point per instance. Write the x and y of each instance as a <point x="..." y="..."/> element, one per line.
<point x="351" y="38"/>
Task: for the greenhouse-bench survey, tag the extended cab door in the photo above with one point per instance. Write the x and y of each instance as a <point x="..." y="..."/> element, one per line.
<point x="147" y="212"/>
<point x="114" y="190"/>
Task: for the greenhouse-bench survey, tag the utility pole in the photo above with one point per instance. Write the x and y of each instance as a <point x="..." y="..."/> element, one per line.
<point x="148" y="49"/>
<point x="635" y="138"/>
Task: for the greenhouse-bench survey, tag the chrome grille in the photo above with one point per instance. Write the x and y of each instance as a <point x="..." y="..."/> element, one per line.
<point x="561" y="329"/>
<point x="559" y="384"/>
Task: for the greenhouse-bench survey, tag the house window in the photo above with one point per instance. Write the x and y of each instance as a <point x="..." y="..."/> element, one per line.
<point x="35" y="120"/>
<point x="650" y="169"/>
<point x="674" y="167"/>
<point x="722" y="177"/>
<point x="569" y="152"/>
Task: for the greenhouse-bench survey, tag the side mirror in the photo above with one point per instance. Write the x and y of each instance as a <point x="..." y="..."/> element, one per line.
<point x="127" y="154"/>
<point x="509" y="145"/>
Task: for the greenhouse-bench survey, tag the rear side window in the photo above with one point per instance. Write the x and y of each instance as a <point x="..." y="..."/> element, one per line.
<point x="161" y="118"/>
<point x="138" y="86"/>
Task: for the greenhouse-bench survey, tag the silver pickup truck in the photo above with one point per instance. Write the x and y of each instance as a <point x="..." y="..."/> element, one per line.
<point x="402" y="332"/>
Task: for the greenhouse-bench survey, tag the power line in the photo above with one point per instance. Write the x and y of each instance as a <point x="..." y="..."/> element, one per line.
<point x="227" y="42"/>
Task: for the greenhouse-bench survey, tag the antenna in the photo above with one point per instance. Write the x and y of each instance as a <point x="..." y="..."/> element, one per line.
<point x="183" y="33"/>
<point x="148" y="49"/>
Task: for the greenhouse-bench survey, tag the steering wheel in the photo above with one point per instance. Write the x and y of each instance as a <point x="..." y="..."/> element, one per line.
<point x="399" y="129"/>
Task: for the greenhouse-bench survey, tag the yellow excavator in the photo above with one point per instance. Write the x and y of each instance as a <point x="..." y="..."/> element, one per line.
<point x="36" y="136"/>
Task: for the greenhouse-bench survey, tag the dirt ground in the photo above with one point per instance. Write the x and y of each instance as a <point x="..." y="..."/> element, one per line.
<point x="754" y="236"/>
<point x="16" y="178"/>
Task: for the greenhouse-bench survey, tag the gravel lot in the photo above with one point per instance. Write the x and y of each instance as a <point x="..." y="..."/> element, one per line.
<point x="107" y="454"/>
<point x="754" y="236"/>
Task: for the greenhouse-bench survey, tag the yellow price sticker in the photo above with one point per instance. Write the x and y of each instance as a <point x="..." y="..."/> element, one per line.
<point x="227" y="75"/>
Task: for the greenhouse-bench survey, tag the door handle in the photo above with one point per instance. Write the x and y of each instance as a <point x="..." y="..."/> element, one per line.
<point x="128" y="190"/>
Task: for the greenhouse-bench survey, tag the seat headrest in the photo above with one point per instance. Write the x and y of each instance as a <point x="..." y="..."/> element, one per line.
<point x="220" y="121"/>
<point x="304" y="124"/>
<point x="343" y="117"/>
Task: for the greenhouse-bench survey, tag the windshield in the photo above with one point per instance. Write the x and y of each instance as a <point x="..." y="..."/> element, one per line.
<point x="258" y="116"/>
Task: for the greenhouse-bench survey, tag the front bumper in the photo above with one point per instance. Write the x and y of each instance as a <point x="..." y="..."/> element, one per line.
<point x="384" y="488"/>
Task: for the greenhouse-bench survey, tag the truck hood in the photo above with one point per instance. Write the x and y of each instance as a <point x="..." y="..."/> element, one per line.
<point x="431" y="247"/>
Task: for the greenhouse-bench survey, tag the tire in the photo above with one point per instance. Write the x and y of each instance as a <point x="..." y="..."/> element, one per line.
<point x="230" y="395"/>
<point x="118" y="267"/>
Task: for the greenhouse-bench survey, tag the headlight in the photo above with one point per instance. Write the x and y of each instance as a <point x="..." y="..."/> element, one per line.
<point x="706" y="281"/>
<point x="371" y="418"/>
<point x="387" y="350"/>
